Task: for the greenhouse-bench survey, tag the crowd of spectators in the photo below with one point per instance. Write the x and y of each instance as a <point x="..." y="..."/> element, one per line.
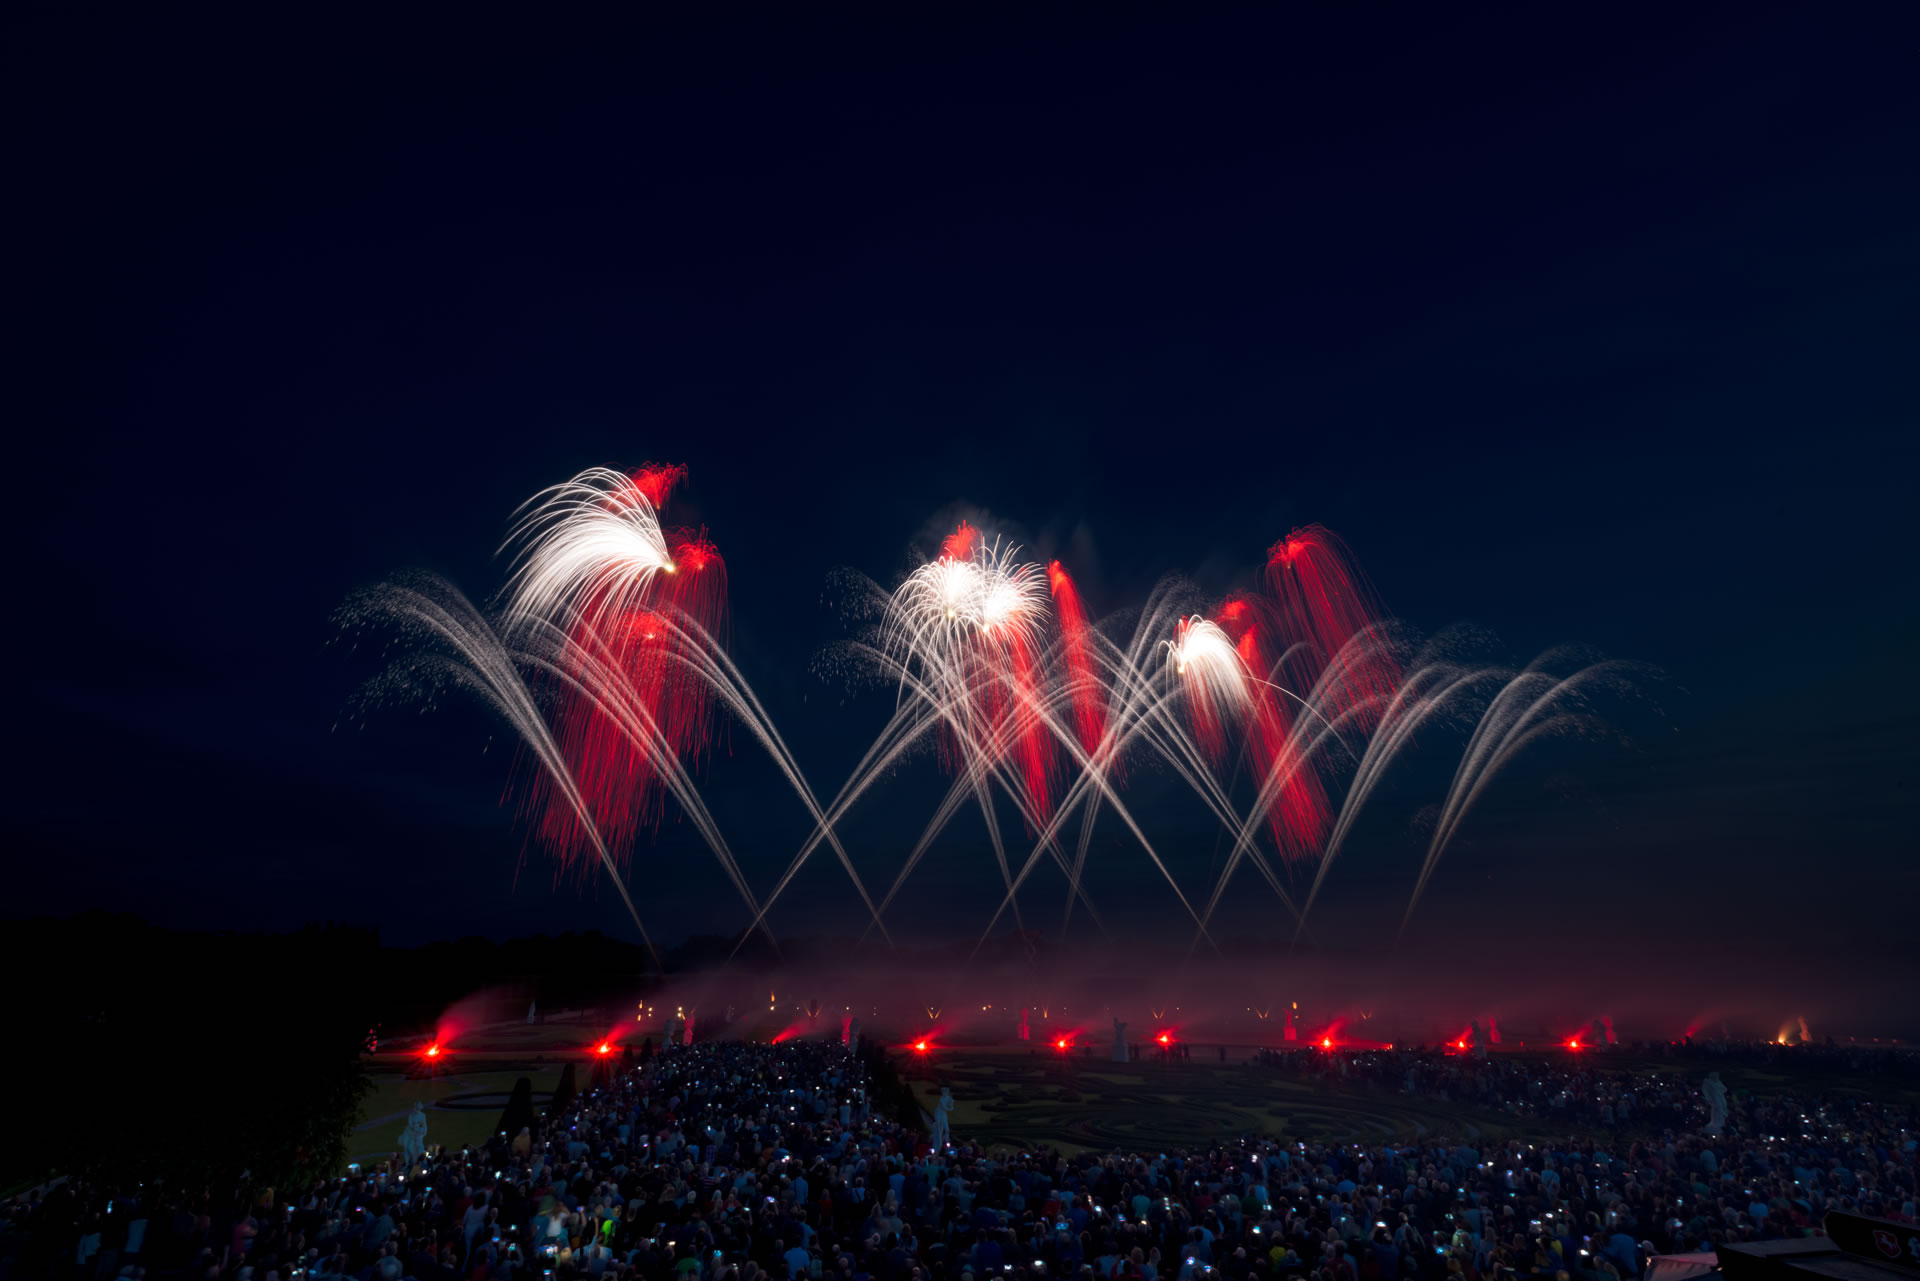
<point x="1589" y="1088"/>
<point x="757" y="1162"/>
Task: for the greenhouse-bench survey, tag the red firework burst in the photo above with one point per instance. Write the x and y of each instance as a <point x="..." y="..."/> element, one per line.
<point x="1323" y="603"/>
<point x="655" y="481"/>
<point x="1083" y="688"/>
<point x="960" y="544"/>
<point x="1301" y="810"/>
<point x="656" y="650"/>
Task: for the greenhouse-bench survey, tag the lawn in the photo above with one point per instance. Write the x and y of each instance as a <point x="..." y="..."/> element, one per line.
<point x="462" y="1107"/>
<point x="1017" y="1099"/>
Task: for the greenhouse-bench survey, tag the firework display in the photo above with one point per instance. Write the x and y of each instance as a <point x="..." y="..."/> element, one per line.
<point x="1281" y="709"/>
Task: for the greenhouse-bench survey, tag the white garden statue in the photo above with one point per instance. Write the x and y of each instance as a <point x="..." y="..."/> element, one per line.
<point x="413" y="1139"/>
<point x="1119" y="1040"/>
<point x="1715" y="1092"/>
<point x="941" y="1128"/>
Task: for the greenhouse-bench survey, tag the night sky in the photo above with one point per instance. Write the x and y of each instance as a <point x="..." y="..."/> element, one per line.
<point x="1578" y="330"/>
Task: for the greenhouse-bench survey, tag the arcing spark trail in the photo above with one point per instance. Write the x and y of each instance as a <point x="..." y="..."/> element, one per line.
<point x="608" y="658"/>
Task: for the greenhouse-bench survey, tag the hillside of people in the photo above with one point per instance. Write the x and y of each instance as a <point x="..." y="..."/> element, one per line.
<point x="737" y="1161"/>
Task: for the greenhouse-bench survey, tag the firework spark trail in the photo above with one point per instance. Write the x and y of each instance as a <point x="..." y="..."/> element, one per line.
<point x="902" y="731"/>
<point x="983" y="765"/>
<point x="943" y="590"/>
<point x="591" y="558"/>
<point x="1199" y="657"/>
<point x="1083" y="689"/>
<point x="1040" y="710"/>
<point x="1300" y="756"/>
<point x="623" y="619"/>
<point x="603" y="688"/>
<point x="1209" y="669"/>
<point x="726" y="680"/>
<point x="1324" y="601"/>
<point x="963" y="787"/>
<point x="1527" y="708"/>
<point x="619" y="616"/>
<point x="597" y="681"/>
<point x="1299" y="813"/>
<point x="1145" y="711"/>
<point x="589" y="549"/>
<point x="1322" y="715"/>
<point x="485" y="666"/>
<point x="1283" y="745"/>
<point x="969" y="623"/>
<point x="1123" y="677"/>
<point x="1091" y="779"/>
<point x="910" y="723"/>
<point x="1430" y="690"/>
<point x="934" y="625"/>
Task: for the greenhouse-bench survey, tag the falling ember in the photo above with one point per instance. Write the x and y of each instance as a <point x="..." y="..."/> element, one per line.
<point x="971" y="625"/>
<point x="1209" y="669"/>
<point x="655" y="481"/>
<point x="1084" y="693"/>
<point x="644" y="602"/>
<point x="1324" y="603"/>
<point x="960" y="544"/>
<point x="1299" y="812"/>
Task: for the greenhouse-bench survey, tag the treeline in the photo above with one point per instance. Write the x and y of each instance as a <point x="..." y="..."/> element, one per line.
<point x="184" y="1057"/>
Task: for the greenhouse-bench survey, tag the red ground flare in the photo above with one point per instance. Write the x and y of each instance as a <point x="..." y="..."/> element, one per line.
<point x="1083" y="688"/>
<point x="1323" y="602"/>
<point x="657" y="649"/>
<point x="960" y="544"/>
<point x="656" y="481"/>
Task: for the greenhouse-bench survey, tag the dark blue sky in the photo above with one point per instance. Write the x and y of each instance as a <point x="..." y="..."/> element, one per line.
<point x="1579" y="329"/>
